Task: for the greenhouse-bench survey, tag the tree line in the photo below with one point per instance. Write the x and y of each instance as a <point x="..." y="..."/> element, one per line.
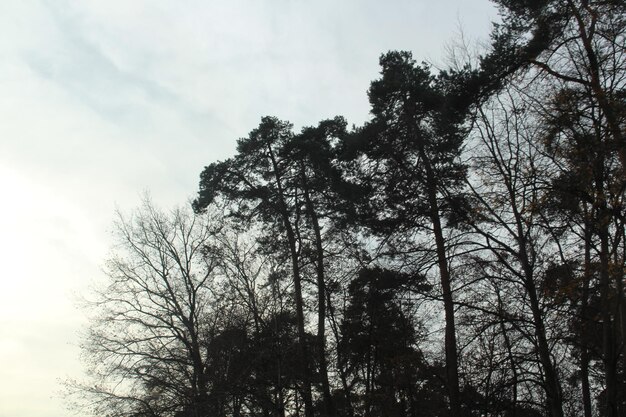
<point x="460" y="254"/>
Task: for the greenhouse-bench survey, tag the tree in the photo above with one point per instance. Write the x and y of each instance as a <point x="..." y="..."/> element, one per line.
<point x="318" y="177"/>
<point x="254" y="184"/>
<point x="146" y="346"/>
<point x="578" y="42"/>
<point x="258" y="284"/>
<point x="286" y="182"/>
<point x="411" y="167"/>
<point x="575" y="49"/>
<point x="389" y="375"/>
<point x="508" y="172"/>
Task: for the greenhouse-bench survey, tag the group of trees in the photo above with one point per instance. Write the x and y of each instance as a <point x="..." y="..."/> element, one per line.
<point x="460" y="254"/>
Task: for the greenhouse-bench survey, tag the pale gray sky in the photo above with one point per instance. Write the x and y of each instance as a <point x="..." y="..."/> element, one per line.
<point x="101" y="100"/>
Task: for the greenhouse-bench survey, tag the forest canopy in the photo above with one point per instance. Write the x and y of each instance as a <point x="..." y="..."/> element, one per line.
<point x="462" y="253"/>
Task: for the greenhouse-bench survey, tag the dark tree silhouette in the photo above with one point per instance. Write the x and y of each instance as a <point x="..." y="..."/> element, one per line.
<point x="378" y="347"/>
<point x="411" y="150"/>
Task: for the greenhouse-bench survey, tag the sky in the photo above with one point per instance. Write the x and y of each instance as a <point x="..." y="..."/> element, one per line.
<point x="103" y="100"/>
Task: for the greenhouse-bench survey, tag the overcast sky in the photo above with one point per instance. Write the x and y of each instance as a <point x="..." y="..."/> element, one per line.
<point x="103" y="100"/>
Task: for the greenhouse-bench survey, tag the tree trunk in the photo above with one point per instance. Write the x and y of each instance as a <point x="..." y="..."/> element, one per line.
<point x="552" y="386"/>
<point x="297" y="282"/>
<point x="608" y="337"/>
<point x="509" y="351"/>
<point x="321" y="300"/>
<point x="452" y="373"/>
<point x="551" y="382"/>
<point x="584" y="352"/>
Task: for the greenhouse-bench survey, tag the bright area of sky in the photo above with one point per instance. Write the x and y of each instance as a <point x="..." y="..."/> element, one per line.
<point x="102" y="100"/>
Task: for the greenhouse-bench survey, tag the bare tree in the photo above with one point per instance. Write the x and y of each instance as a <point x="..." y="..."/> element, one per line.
<point x="507" y="189"/>
<point x="146" y="346"/>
